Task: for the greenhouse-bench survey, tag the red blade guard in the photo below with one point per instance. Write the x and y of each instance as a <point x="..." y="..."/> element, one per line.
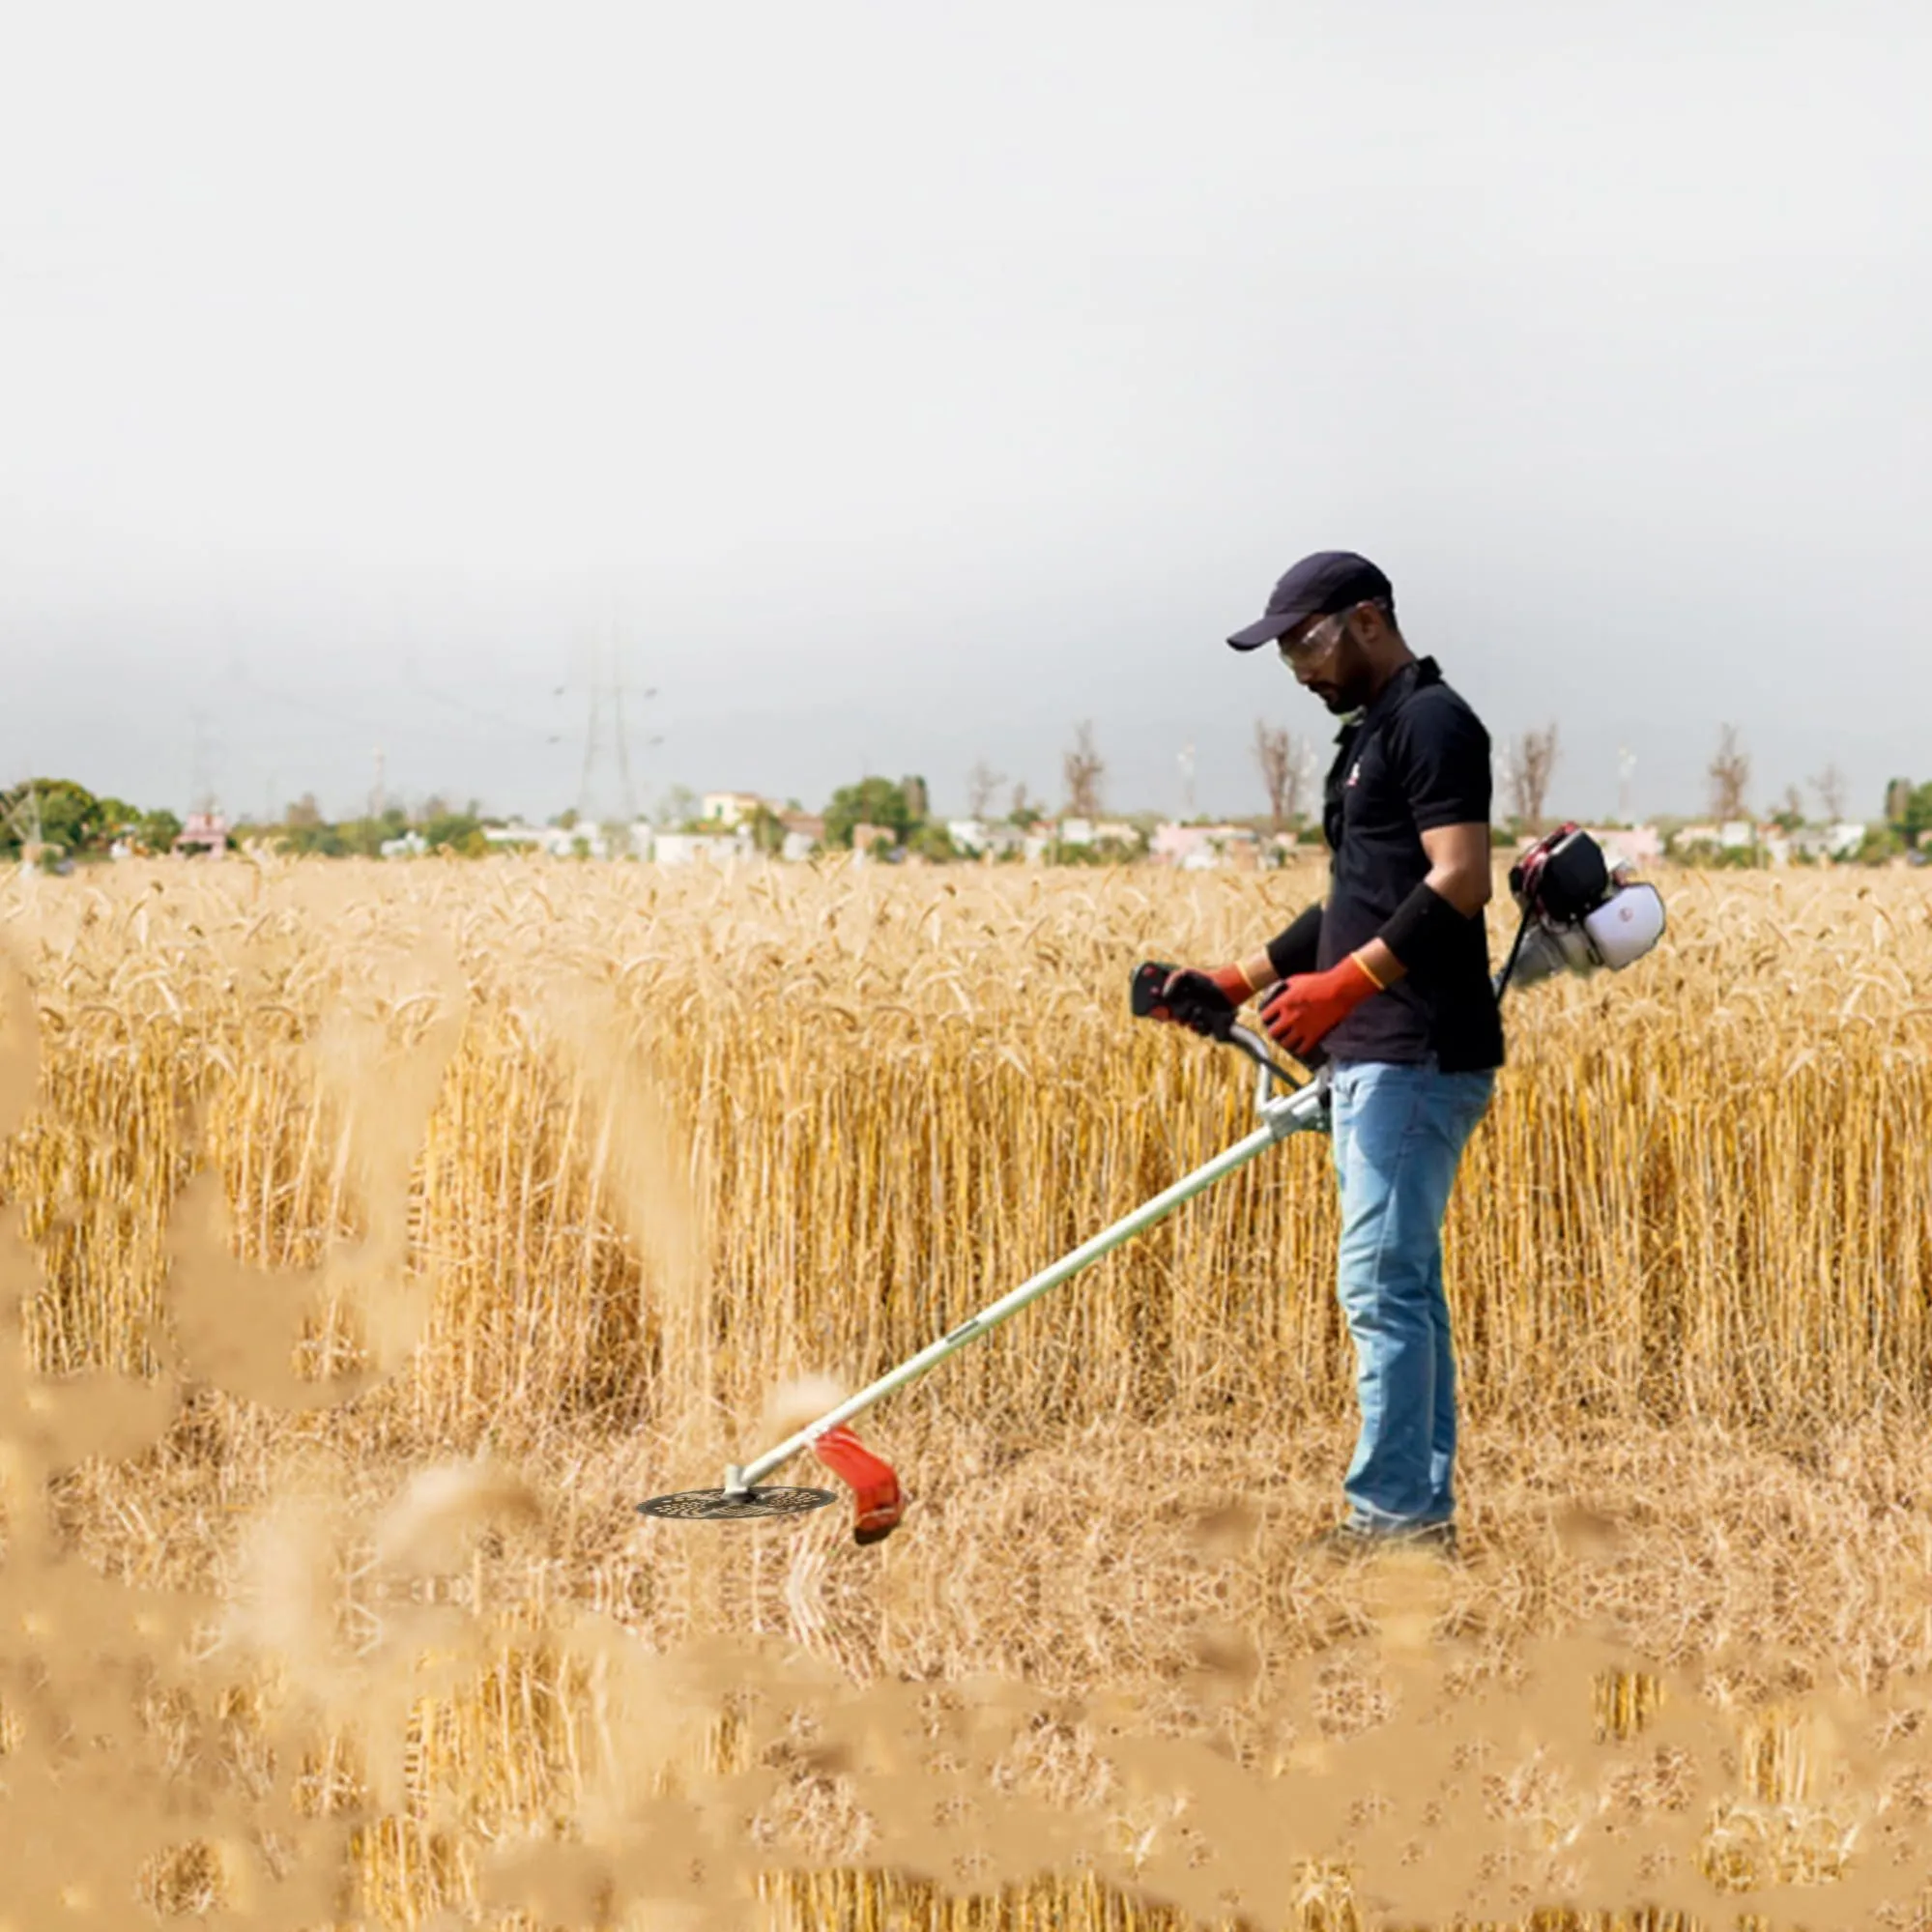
<point x="878" y="1505"/>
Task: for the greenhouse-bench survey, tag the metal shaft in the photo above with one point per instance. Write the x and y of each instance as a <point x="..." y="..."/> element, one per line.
<point x="1283" y="1116"/>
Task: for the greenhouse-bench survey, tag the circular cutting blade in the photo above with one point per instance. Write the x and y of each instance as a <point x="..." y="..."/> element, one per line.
<point x="722" y="1505"/>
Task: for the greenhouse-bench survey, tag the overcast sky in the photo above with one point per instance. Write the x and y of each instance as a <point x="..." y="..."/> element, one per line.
<point x="899" y="383"/>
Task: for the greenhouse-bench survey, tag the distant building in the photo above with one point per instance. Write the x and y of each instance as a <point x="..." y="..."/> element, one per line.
<point x="1821" y="843"/>
<point x="1205" y="847"/>
<point x="516" y="838"/>
<point x="804" y="834"/>
<point x="728" y="810"/>
<point x="412" y="845"/>
<point x="1811" y="845"/>
<point x="1733" y="835"/>
<point x="983" y="838"/>
<point x="205" y="835"/>
<point x="700" y="847"/>
<point x="1628" y="844"/>
<point x="579" y="841"/>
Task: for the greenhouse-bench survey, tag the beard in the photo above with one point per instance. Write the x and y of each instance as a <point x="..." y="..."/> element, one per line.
<point x="1342" y="695"/>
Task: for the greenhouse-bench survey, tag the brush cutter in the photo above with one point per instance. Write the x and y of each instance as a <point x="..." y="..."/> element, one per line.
<point x="1578" y="914"/>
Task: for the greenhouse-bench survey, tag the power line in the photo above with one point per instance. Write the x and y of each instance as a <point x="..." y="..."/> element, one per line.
<point x="369" y="725"/>
<point x="508" y="727"/>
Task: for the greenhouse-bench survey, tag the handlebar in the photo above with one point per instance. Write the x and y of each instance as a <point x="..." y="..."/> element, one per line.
<point x="1273" y="1072"/>
<point x="1217" y="1022"/>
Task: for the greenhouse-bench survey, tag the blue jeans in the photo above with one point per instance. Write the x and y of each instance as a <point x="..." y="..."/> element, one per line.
<point x="1399" y="1133"/>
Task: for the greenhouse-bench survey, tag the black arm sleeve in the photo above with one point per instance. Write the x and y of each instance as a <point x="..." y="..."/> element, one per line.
<point x="1293" y="950"/>
<point x="1425" y="931"/>
<point x="1442" y="755"/>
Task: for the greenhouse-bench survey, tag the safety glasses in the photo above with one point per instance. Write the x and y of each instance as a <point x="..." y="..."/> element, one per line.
<point x="1316" y="642"/>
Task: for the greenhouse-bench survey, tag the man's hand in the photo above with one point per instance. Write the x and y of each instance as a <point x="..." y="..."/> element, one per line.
<point x="1204" y="1000"/>
<point x="1305" y="1008"/>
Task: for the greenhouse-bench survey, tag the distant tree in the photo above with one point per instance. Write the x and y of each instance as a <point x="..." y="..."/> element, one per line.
<point x="1790" y="813"/>
<point x="679" y="807"/>
<point x="1532" y="759"/>
<point x="71" y="816"/>
<point x="1284" y="764"/>
<point x="1730" y="776"/>
<point x="158" y="832"/>
<point x="312" y="838"/>
<point x="57" y="811"/>
<point x="872" y="801"/>
<point x="1830" y="785"/>
<point x="932" y="842"/>
<point x="982" y="783"/>
<point x="1022" y="810"/>
<point x="118" y="818"/>
<point x="1878" y="844"/>
<point x="459" y="832"/>
<point x="1082" y="769"/>
<point x="1914" y="816"/>
<point x="767" y="831"/>
<point x="305" y="815"/>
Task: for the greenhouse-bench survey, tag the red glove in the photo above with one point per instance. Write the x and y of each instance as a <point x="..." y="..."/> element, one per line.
<point x="1194" y="997"/>
<point x="1305" y="1008"/>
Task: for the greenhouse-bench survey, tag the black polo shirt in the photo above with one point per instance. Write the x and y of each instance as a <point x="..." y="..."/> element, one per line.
<point x="1418" y="758"/>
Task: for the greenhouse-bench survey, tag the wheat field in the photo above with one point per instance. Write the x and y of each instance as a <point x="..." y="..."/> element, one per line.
<point x="377" y="1237"/>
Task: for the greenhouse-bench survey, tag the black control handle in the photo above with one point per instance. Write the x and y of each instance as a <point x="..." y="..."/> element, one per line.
<point x="1206" y="1009"/>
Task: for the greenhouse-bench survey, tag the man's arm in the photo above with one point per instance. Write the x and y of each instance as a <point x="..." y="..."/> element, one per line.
<point x="1444" y="769"/>
<point x="1290" y="951"/>
<point x="1459" y="871"/>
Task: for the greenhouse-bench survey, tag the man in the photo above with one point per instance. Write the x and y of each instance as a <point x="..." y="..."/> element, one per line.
<point x="1390" y="981"/>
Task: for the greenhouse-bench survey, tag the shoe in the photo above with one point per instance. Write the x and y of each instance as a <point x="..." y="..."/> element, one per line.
<point x="1351" y="1539"/>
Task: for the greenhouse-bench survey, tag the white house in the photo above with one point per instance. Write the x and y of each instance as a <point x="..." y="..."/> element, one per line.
<point x="980" y="837"/>
<point x="700" y="847"/>
<point x="728" y="810"/>
<point x="1734" y="835"/>
<point x="1840" y="841"/>
<point x="579" y="841"/>
<point x="804" y="834"/>
<point x="1628" y="844"/>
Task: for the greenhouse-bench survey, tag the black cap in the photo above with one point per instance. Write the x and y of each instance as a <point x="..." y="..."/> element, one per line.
<point x="1331" y="580"/>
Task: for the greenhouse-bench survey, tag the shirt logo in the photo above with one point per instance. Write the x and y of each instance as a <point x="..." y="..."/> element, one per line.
<point x="1355" y="771"/>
